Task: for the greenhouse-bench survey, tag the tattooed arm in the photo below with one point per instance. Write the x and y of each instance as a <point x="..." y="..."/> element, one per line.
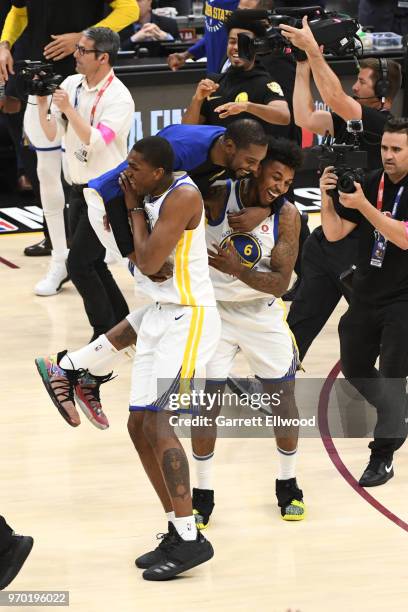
<point x="283" y="257"/>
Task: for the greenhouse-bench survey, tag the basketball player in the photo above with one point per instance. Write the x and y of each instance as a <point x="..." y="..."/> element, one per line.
<point x="250" y="271"/>
<point x="177" y="335"/>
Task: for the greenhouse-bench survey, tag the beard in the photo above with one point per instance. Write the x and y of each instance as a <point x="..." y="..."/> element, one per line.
<point x="236" y="69"/>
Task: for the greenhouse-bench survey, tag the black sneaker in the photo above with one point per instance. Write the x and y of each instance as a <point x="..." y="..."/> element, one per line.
<point x="181" y="556"/>
<point x="377" y="472"/>
<point x="203" y="505"/>
<point x="39" y="249"/>
<point x="158" y="554"/>
<point x="290" y="500"/>
<point x="12" y="560"/>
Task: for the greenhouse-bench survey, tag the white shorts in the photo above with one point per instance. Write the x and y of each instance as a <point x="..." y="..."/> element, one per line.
<point x="258" y="328"/>
<point x="174" y="343"/>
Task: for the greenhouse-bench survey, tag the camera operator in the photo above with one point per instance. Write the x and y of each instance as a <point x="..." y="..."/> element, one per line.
<point x="375" y="324"/>
<point x="244" y="90"/>
<point x="51" y="29"/>
<point x="93" y="111"/>
<point x="377" y="84"/>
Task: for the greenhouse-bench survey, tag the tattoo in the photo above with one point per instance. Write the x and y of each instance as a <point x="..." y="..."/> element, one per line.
<point x="176" y="473"/>
<point x="283" y="256"/>
<point x="122" y="335"/>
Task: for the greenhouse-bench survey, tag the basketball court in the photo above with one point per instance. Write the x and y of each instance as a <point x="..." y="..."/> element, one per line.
<point x="82" y="493"/>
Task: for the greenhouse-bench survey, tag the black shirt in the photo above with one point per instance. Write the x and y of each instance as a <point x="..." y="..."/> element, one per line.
<point x="46" y="17"/>
<point x="206" y="174"/>
<point x="373" y="126"/>
<point x="371" y="285"/>
<point x="253" y="85"/>
<point x="283" y="70"/>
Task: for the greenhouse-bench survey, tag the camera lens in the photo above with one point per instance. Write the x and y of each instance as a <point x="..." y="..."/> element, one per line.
<point x="346" y="182"/>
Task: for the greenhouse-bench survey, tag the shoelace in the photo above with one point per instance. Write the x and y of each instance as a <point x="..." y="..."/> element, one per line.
<point x="64" y="390"/>
<point x="66" y="384"/>
<point x="91" y="384"/>
<point x="168" y="541"/>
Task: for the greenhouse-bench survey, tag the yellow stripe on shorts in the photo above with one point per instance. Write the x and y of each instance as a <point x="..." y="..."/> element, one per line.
<point x="194" y="337"/>
<point x="182" y="272"/>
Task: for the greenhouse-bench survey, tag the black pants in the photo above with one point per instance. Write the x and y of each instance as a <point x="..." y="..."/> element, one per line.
<point x="5" y="535"/>
<point x="366" y="333"/>
<point x="320" y="289"/>
<point x="304" y="235"/>
<point x="103" y="300"/>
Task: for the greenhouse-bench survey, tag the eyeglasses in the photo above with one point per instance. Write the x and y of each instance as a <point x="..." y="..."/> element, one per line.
<point x="83" y="50"/>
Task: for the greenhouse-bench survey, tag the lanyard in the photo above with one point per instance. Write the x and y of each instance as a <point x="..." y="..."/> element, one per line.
<point x="380" y="196"/>
<point x="98" y="97"/>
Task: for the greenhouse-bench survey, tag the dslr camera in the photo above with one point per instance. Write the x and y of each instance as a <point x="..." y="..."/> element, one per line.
<point x="38" y="78"/>
<point x="348" y="160"/>
<point x="338" y="34"/>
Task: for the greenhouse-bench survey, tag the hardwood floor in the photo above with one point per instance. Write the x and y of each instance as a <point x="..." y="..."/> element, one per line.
<point x="83" y="496"/>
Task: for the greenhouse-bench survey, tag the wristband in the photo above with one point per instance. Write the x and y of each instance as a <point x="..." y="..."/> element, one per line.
<point x="137" y="209"/>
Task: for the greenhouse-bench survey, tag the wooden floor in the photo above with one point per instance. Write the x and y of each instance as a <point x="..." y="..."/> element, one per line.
<point x="83" y="496"/>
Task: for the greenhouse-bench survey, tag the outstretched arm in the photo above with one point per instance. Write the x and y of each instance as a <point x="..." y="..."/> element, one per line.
<point x="124" y="12"/>
<point x="318" y="122"/>
<point x="14" y="26"/>
<point x="326" y="80"/>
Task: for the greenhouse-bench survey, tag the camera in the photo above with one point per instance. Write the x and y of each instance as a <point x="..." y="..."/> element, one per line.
<point x="348" y="160"/>
<point x="336" y="33"/>
<point x="38" y="78"/>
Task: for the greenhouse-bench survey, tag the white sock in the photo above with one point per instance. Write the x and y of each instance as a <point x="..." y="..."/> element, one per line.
<point x="287" y="464"/>
<point x="170" y="516"/>
<point x="203" y="465"/>
<point x="186" y="527"/>
<point x="99" y="357"/>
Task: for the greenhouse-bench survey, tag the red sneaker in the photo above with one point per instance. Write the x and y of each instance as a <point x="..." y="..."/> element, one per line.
<point x="87" y="396"/>
<point x="60" y="386"/>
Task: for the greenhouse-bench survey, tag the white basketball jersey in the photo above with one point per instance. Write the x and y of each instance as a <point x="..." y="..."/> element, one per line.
<point x="190" y="284"/>
<point x="254" y="248"/>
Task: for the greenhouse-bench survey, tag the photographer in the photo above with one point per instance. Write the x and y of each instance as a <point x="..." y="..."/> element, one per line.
<point x="245" y="90"/>
<point x="93" y="111"/>
<point x="51" y="31"/>
<point x="375" y="324"/>
<point x="377" y="84"/>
